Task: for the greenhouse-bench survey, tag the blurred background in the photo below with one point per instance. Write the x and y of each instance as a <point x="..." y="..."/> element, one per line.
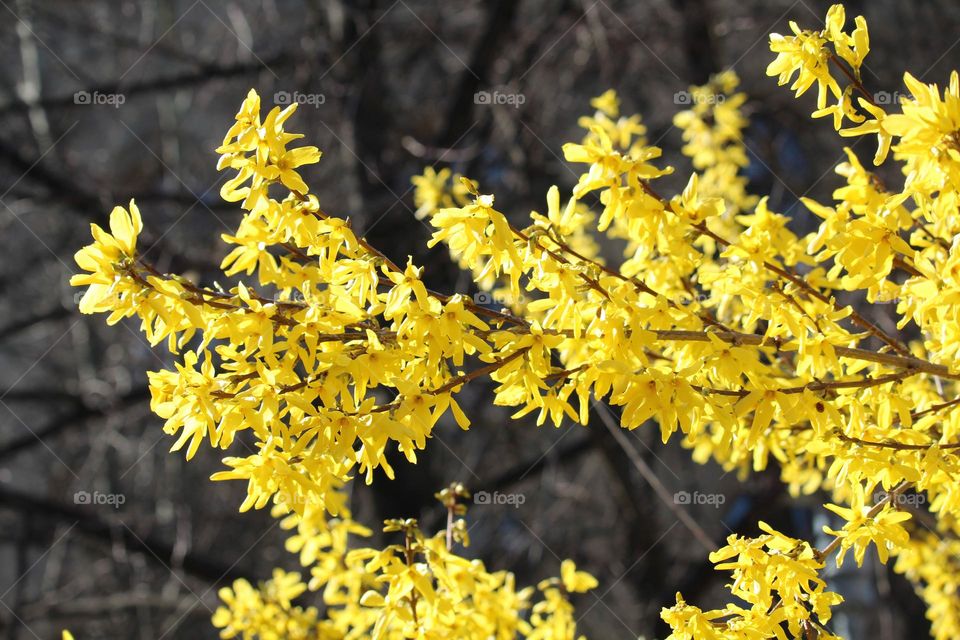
<point x="103" y="532"/>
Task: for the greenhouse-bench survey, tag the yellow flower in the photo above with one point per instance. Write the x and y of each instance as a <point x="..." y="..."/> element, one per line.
<point x="608" y="103"/>
<point x="104" y="259"/>
<point x="883" y="529"/>
<point x="877" y="125"/>
<point x="576" y="581"/>
<point x="805" y="55"/>
<point x="431" y="191"/>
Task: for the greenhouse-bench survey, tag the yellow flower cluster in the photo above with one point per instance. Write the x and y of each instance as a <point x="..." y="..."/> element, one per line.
<point x="713" y="132"/>
<point x="774" y="574"/>
<point x="417" y="588"/>
<point x="808" y="54"/>
<point x="720" y="323"/>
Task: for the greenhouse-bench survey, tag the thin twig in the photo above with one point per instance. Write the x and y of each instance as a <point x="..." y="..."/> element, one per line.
<point x="648" y="474"/>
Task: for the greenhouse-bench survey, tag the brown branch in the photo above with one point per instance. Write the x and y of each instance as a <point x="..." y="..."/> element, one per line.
<point x="738" y="339"/>
<point x="199" y="564"/>
<point x="592" y="283"/>
<point x="901" y="263"/>
<point x="937" y="407"/>
<point x="409" y="556"/>
<point x="798" y="281"/>
<point x="854" y="81"/>
<point x="862" y="383"/>
<point x="914" y="415"/>
<point x="893" y="444"/>
<point x="636" y="282"/>
<point x="203" y="75"/>
<point x="477" y="373"/>
<point x="873" y="329"/>
<point x="44" y="433"/>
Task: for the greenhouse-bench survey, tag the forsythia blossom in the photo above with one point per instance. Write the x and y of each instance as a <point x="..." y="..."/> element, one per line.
<point x="721" y="325"/>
